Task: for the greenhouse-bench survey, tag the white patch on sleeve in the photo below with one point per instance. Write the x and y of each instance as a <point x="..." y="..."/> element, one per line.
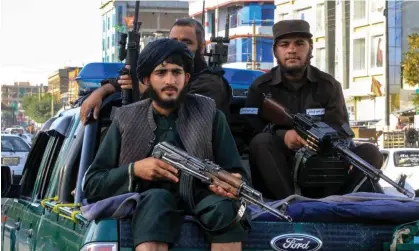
<point x="315" y="112"/>
<point x="249" y="110"/>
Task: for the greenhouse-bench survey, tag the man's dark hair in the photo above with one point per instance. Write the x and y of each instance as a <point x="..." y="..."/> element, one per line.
<point x="181" y="60"/>
<point x="199" y="29"/>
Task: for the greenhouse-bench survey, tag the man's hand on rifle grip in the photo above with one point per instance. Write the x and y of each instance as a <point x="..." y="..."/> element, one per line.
<point x="293" y="140"/>
<point x="125" y="79"/>
<point x="222" y="192"/>
<point x="152" y="169"/>
<point x="126" y="82"/>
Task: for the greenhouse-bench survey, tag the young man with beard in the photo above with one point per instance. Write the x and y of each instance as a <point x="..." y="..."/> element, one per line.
<point x="204" y="81"/>
<point x="191" y="122"/>
<point x="301" y="88"/>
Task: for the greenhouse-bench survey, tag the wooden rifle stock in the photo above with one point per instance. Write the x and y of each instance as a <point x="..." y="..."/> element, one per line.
<point x="275" y="113"/>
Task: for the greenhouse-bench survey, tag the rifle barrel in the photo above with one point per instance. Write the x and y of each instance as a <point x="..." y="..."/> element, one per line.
<point x="374" y="173"/>
<point x="137" y="10"/>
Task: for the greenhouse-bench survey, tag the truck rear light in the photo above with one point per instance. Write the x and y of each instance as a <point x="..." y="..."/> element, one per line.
<point x="100" y="246"/>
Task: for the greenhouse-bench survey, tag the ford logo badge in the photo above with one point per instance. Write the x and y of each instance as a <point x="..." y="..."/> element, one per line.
<point x="287" y="242"/>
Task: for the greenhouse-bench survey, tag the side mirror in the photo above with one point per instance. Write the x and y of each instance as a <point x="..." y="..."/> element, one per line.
<point x="6" y="180"/>
<point x="8" y="189"/>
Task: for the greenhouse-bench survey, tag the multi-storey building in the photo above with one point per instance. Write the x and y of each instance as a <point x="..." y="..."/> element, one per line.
<point x="62" y="85"/>
<point x="241" y="14"/>
<point x="73" y="88"/>
<point x="12" y="95"/>
<point x="157" y="18"/>
<point x="349" y="43"/>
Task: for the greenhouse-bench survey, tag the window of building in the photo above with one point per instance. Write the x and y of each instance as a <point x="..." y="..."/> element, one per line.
<point x="359" y="54"/>
<point x="377" y="51"/>
<point x="320" y="18"/>
<point x="351" y="112"/>
<point x="267" y="15"/>
<point x="113" y="58"/>
<point x="283" y="16"/>
<point x="108" y="43"/>
<point x="321" y="58"/>
<point x="109" y="23"/>
<point x="103" y="24"/>
<point x="377" y="6"/>
<point x="113" y="40"/>
<point x="211" y="21"/>
<point x="305" y="14"/>
<point x="120" y="15"/>
<point x="359" y="10"/>
<point x="232" y="51"/>
<point x="103" y="44"/>
<point x="233" y="12"/>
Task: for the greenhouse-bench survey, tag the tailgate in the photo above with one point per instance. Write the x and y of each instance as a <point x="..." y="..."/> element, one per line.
<point x="333" y="236"/>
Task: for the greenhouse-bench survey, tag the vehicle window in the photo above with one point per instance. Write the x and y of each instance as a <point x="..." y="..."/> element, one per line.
<point x="406" y="158"/>
<point x="385" y="159"/>
<point x="17" y="131"/>
<point x="41" y="162"/>
<point x="44" y="170"/>
<point x="36" y="157"/>
<point x="63" y="156"/>
<point x="13" y="144"/>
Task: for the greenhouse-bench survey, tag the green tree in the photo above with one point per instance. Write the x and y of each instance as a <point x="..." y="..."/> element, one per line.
<point x="411" y="61"/>
<point x="7" y="118"/>
<point x="39" y="109"/>
<point x="410" y="65"/>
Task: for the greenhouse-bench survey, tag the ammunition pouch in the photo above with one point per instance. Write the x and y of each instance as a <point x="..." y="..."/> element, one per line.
<point x="324" y="174"/>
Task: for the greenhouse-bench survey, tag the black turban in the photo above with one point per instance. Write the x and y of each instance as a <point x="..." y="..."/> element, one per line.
<point x="157" y="51"/>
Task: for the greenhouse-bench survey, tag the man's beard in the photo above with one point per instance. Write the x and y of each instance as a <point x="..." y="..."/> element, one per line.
<point x="166" y="104"/>
<point x="199" y="61"/>
<point x="295" y="70"/>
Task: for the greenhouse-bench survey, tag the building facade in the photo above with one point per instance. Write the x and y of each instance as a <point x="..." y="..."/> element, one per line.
<point x="157" y="18"/>
<point x="349" y="43"/>
<point x="62" y="85"/>
<point x="12" y="95"/>
<point x="367" y="60"/>
<point x="241" y="15"/>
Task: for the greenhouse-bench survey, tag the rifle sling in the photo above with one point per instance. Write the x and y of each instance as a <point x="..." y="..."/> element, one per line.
<point x="229" y="226"/>
<point x="186" y="186"/>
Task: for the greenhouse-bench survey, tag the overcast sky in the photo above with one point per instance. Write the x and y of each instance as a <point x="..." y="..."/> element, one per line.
<point x="40" y="36"/>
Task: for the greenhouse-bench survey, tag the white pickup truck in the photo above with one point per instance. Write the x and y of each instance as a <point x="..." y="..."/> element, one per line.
<point x="398" y="162"/>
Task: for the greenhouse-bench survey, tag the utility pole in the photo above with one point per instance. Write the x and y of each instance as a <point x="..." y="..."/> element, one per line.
<point x="387" y="69"/>
<point x="255" y="65"/>
<point x="52" y="104"/>
<point x="253" y="45"/>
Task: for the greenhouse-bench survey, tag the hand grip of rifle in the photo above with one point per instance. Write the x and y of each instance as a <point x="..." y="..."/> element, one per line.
<point x="210" y="173"/>
<point x="126" y="93"/>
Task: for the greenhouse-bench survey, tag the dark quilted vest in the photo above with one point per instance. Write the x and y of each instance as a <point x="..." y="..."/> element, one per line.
<point x="194" y="124"/>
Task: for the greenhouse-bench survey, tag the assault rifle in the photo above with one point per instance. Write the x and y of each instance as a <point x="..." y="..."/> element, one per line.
<point x="323" y="139"/>
<point x="129" y="96"/>
<point x="210" y="173"/>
